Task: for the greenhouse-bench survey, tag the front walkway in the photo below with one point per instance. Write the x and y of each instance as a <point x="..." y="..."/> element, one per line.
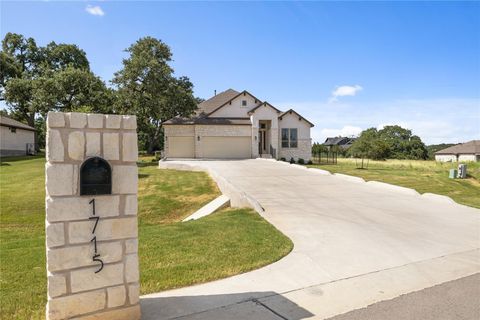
<point x="355" y="244"/>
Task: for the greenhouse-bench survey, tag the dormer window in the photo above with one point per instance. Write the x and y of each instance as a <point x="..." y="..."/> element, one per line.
<point x="244" y="103"/>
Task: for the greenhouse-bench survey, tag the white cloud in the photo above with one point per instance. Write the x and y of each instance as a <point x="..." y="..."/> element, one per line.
<point x="346" y="131"/>
<point x="94" y="10"/>
<point x="439" y="120"/>
<point x="343" y="91"/>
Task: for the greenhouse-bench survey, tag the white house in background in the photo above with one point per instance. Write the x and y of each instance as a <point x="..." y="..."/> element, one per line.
<point x="16" y="138"/>
<point x="469" y="151"/>
<point x="238" y="125"/>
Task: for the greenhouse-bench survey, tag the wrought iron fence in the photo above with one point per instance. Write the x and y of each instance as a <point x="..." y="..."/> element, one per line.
<point x="329" y="157"/>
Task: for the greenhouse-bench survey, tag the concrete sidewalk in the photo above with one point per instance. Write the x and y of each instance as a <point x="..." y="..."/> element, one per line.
<point x="355" y="244"/>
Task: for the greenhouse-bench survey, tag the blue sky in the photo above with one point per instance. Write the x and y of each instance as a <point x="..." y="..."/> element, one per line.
<point x="346" y="66"/>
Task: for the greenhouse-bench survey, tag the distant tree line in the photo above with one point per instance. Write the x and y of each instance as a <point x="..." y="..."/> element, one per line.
<point x="57" y="77"/>
<point x="391" y="142"/>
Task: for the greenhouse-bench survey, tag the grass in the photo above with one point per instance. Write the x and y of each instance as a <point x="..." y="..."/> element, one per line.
<point x="172" y="254"/>
<point x="423" y="176"/>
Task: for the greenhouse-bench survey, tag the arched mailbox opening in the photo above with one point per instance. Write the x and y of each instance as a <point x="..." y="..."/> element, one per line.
<point x="95" y="177"/>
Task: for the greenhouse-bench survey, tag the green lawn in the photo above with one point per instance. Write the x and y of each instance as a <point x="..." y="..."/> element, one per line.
<point x="172" y="254"/>
<point x="423" y="176"/>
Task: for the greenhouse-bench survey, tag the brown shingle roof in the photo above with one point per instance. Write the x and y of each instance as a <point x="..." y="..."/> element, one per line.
<point x="217" y="121"/>
<point x="9" y="122"/>
<point x="214" y="102"/>
<point x="471" y="147"/>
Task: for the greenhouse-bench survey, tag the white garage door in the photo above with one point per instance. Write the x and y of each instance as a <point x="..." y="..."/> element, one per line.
<point x="227" y="147"/>
<point x="181" y="147"/>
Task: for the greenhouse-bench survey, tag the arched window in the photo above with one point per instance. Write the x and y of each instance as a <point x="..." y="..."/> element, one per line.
<point x="95" y="177"/>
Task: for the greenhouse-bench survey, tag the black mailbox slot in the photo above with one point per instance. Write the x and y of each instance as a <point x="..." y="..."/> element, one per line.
<point x="95" y="177"/>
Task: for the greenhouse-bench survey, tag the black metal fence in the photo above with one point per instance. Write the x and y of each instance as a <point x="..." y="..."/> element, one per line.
<point x="328" y="157"/>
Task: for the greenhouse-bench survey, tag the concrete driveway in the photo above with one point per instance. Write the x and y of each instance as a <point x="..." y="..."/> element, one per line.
<point x="356" y="243"/>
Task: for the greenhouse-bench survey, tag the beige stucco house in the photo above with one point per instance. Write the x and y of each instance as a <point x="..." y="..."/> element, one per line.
<point x="469" y="151"/>
<point x="16" y="138"/>
<point x="237" y="125"/>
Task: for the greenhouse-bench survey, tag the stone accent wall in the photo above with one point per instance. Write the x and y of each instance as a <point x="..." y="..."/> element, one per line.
<point x="304" y="151"/>
<point x="75" y="290"/>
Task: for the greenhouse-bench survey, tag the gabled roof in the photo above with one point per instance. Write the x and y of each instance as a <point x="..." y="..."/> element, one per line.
<point x="471" y="147"/>
<point x="244" y="92"/>
<point x="201" y="120"/>
<point x="298" y="114"/>
<point x="9" y="122"/>
<point x="214" y="102"/>
<point x="264" y="104"/>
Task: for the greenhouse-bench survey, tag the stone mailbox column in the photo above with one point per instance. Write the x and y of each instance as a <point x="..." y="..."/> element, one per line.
<point x="92" y="260"/>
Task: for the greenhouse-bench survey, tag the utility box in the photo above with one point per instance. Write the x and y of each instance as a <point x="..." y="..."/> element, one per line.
<point x="453" y="173"/>
<point x="462" y="171"/>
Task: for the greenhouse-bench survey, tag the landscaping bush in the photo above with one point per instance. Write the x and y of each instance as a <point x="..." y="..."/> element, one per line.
<point x="292" y="160"/>
<point x="283" y="159"/>
<point x="309" y="162"/>
<point x="301" y="161"/>
<point x="158" y="155"/>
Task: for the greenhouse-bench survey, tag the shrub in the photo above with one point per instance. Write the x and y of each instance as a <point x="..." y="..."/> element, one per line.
<point x="309" y="162"/>
<point x="301" y="161"/>
<point x="292" y="160"/>
<point x="283" y="159"/>
<point x="158" y="155"/>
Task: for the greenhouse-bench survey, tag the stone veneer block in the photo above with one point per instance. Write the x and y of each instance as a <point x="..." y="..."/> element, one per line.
<point x="93" y="144"/>
<point x="79" y="208"/>
<point x="125" y="179"/>
<point x="128" y="313"/>
<point x="77" y="120"/>
<point x="133" y="293"/>
<point x="55" y="119"/>
<point x="87" y="279"/>
<point x="111" y="150"/>
<point x="77" y="304"/>
<point x="116" y="296"/>
<point x="55" y="234"/>
<point x="76" y="145"/>
<point x="130" y="148"/>
<point x="131" y="205"/>
<point x="113" y="121"/>
<point x="131" y="268"/>
<point x="81" y="256"/>
<point x="107" y="229"/>
<point x="59" y="179"/>
<point x="131" y="246"/>
<point x="95" y="121"/>
<point x="55" y="150"/>
<point x="130" y="122"/>
<point x="57" y="285"/>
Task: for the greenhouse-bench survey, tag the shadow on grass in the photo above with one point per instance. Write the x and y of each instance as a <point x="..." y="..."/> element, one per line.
<point x="20" y="158"/>
<point x="267" y="305"/>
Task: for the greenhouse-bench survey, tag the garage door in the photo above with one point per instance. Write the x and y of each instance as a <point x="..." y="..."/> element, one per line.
<point x="227" y="147"/>
<point x="181" y="147"/>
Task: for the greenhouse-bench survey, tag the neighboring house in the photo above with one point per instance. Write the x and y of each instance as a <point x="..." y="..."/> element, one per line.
<point x="469" y="151"/>
<point x="342" y="142"/>
<point x="16" y="138"/>
<point x="237" y="125"/>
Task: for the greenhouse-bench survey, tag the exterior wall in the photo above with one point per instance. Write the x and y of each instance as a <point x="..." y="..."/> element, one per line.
<point x="304" y="149"/>
<point x="218" y="131"/>
<point x="15" y="144"/>
<point x="265" y="113"/>
<point x="236" y="110"/>
<point x="176" y="131"/>
<point x="446" y="158"/>
<point x="76" y="287"/>
<point x="467" y="157"/>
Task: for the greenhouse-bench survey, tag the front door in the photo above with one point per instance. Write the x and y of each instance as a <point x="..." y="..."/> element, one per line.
<point x="262" y="145"/>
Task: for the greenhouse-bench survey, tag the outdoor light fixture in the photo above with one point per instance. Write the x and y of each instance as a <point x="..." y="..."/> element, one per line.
<point x="198" y="138"/>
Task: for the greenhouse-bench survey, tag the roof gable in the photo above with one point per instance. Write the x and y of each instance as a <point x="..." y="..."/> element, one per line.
<point x="214" y="102"/>
<point x="471" y="147"/>
<point x="244" y="92"/>
<point x="300" y="117"/>
<point x="9" y="122"/>
<point x="264" y="104"/>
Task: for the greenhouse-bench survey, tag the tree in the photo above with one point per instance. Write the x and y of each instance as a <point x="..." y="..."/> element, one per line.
<point x="35" y="80"/>
<point x="402" y="143"/>
<point x="147" y="88"/>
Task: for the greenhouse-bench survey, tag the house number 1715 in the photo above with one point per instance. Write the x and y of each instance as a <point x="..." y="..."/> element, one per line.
<point x="96" y="255"/>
